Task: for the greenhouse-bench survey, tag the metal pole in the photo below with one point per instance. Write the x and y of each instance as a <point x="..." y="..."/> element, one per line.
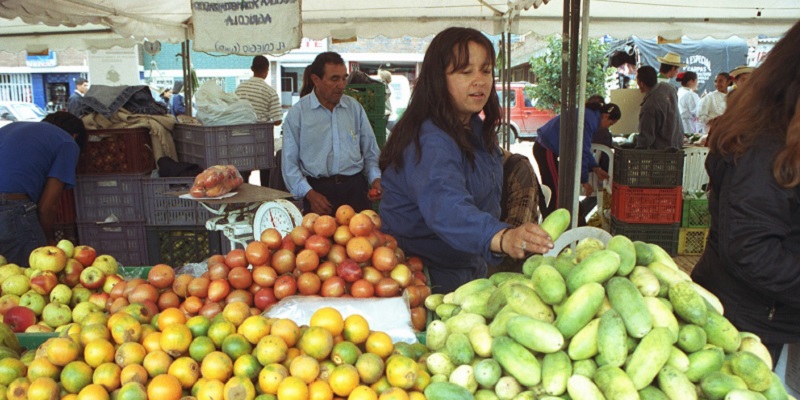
<point x="584" y="70"/>
<point x="507" y="90"/>
<point x="188" y="82"/>
<point x="567" y="155"/>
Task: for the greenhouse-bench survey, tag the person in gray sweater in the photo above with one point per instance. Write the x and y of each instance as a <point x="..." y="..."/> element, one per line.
<point x="659" y="117"/>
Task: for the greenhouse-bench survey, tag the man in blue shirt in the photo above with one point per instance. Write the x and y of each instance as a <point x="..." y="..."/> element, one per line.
<point x="38" y="160"/>
<point x="329" y="149"/>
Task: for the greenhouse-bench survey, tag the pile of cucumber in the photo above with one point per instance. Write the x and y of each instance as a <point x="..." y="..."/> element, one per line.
<point x="605" y="321"/>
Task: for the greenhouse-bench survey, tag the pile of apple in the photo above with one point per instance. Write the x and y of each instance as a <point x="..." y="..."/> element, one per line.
<point x="63" y="283"/>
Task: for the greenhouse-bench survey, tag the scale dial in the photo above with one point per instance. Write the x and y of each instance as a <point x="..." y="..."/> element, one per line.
<point x="279" y="214"/>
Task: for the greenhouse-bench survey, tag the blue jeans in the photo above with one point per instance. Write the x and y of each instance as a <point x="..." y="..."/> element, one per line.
<point x="20" y="232"/>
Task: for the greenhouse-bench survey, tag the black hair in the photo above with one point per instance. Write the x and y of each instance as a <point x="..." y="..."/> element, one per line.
<point x="666" y="68"/>
<point x="317" y="67"/>
<point x="595" y="99"/>
<point x="80" y="81"/>
<point x="260" y="64"/>
<point x="686" y="77"/>
<point x="70" y="123"/>
<point x="612" y="110"/>
<point x="308" y="84"/>
<point x="647" y="76"/>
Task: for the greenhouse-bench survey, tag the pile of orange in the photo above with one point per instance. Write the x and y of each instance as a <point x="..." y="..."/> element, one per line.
<point x="235" y="356"/>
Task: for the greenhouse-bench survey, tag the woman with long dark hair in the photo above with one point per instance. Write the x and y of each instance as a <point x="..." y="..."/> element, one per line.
<point x="752" y="255"/>
<point x="442" y="168"/>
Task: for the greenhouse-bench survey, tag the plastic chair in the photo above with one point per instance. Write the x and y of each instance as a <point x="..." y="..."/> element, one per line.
<point x="597" y="185"/>
<point x="573" y="236"/>
<point x="694" y="169"/>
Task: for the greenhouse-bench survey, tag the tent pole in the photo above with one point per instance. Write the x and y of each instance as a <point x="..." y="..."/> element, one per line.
<point x="567" y="155"/>
<point x="188" y="88"/>
<point x="581" y="110"/>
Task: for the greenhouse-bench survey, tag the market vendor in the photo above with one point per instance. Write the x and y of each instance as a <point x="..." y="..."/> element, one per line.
<point x="442" y="167"/>
<point x="38" y="160"/>
<point x="752" y="256"/>
<point x="659" y="116"/>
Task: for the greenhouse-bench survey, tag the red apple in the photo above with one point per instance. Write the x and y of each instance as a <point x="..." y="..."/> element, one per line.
<point x="85" y="255"/>
<point x="19" y="318"/>
<point x="71" y="275"/>
<point x="100" y="299"/>
<point x="111" y="281"/>
<point x="264" y="298"/>
<point x="349" y="270"/>
<point x="43" y="282"/>
<point x="92" y="278"/>
<point x="48" y="258"/>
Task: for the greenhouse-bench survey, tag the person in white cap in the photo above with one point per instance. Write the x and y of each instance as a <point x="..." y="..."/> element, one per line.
<point x="670" y="64"/>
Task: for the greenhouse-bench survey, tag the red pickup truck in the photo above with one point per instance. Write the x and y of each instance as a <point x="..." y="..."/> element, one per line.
<point x="525" y="117"/>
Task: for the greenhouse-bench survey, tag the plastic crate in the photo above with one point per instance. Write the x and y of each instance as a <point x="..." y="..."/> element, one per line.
<point x="695" y="213"/>
<point x="66" y="231"/>
<point x="126" y="241"/>
<point x="379" y="128"/>
<point x="134" y="272"/>
<point x="99" y="196"/>
<point x="665" y="236"/>
<point x="169" y="210"/>
<point x="646" y="205"/>
<point x="247" y="147"/>
<point x="371" y="96"/>
<point x="32" y="341"/>
<point x="117" y="151"/>
<point x="66" y="208"/>
<point x="648" y="168"/>
<point x="692" y="241"/>
<point x="177" y="246"/>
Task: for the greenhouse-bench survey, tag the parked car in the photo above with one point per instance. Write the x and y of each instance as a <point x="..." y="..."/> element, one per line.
<point x="11" y="111"/>
<point x="526" y="118"/>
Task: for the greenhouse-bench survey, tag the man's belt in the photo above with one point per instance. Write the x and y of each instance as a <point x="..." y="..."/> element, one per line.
<point x="13" y="196"/>
<point x="335" y="179"/>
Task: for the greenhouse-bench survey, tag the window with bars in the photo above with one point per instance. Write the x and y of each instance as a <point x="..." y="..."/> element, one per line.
<point x="16" y="87"/>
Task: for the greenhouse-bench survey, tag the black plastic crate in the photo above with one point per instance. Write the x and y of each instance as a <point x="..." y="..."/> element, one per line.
<point x="247" y="147"/>
<point x="169" y="210"/>
<point x="177" y="246"/>
<point x="99" y="196"/>
<point x="665" y="236"/>
<point x="125" y="241"/>
<point x="648" y="168"/>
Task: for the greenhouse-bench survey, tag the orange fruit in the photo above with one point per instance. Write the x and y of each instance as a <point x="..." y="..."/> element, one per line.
<point x="356" y="329"/>
<point x="270" y="349"/>
<point x="147" y="329"/>
<point x="95" y="317"/>
<point x="291" y="354"/>
<point x="287" y="330"/>
<point x="186" y="370"/>
<point x="108" y="375"/>
<point x="416" y="396"/>
<point x="320" y="390"/>
<point x="132" y="391"/>
<point x="236" y="312"/>
<point x="10" y="369"/>
<point x="379" y="343"/>
<point x="62" y="351"/>
<point x="151" y="341"/>
<point x="129" y="353"/>
<point x="75" y="376"/>
<point x="175" y="339"/>
<point x="292" y="388"/>
<point x="394" y="393"/>
<point x="93" y="392"/>
<point x="219" y="330"/>
<point x="423" y="380"/>
<point x="70" y="331"/>
<point x="156" y="363"/>
<point x="343" y="379"/>
<point x="43" y="388"/>
<point x="164" y="387"/>
<point x="211" y="390"/>
<point x="316" y="342"/>
<point x="401" y="371"/>
<point x="42" y="367"/>
<point x="304" y="367"/>
<point x="246" y="366"/>
<point x="18" y="389"/>
<point x="90" y="333"/>
<point x="253" y="328"/>
<point x="125" y="328"/>
<point x="381" y="385"/>
<point x="170" y="316"/>
<point x="239" y="387"/>
<point x="198" y="325"/>
<point x="98" y="352"/>
<point x="370" y="367"/>
<point x="270" y="377"/>
<point x="236" y="345"/>
<point x="362" y="393"/>
<point x="345" y="353"/>
<point x="133" y="373"/>
<point x="201" y="347"/>
<point x="217" y="365"/>
<point x="328" y="318"/>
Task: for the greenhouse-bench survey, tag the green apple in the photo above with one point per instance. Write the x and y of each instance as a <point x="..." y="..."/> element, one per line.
<point x="48" y="258"/>
<point x="34" y="301"/>
<point x="80" y="311"/>
<point x="61" y="294"/>
<point x="17" y="284"/>
<point x="67" y="246"/>
<point x="79" y="295"/>
<point x="107" y="264"/>
<point x="3" y="260"/>
<point x="9" y="270"/>
<point x="56" y="314"/>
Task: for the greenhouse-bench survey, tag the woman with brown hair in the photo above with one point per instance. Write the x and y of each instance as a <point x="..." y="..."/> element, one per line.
<point x="752" y="256"/>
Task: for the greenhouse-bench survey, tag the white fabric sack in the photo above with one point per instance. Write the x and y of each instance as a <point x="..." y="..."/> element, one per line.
<point x="215" y="107"/>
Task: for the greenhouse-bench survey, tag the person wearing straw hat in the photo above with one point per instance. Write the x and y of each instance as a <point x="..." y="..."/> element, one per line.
<point x="659" y="116"/>
<point x="670" y="64"/>
<point x="740" y="75"/>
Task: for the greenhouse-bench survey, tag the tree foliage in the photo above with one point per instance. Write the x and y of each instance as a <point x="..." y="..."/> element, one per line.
<point x="547" y="69"/>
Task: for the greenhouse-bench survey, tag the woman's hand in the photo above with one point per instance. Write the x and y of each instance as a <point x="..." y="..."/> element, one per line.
<point x="528" y="238"/>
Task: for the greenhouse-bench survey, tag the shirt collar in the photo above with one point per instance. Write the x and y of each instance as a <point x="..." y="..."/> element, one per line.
<point x="316" y="104"/>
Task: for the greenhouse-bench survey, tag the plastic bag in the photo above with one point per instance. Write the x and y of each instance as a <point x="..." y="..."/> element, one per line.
<point x="215" y="107"/>
<point x="216" y="181"/>
<point x="389" y="315"/>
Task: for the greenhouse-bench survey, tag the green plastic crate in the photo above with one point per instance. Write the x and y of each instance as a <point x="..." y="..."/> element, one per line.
<point x="134" y="272"/>
<point x="32" y="341"/>
<point x="695" y="213"/>
<point x="371" y="96"/>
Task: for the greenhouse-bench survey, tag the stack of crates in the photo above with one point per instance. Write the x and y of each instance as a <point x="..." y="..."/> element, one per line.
<point x="647" y="196"/>
<point x="65" y="227"/>
<point x="373" y="98"/>
<point x="108" y="194"/>
<point x="248" y="147"/>
<point x="175" y="227"/>
<point x="695" y="221"/>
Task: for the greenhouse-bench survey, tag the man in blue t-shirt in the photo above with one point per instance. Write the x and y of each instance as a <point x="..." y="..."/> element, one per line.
<point x="38" y="161"/>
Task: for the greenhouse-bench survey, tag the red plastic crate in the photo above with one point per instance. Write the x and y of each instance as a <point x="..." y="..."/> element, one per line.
<point x="117" y="151"/>
<point x="66" y="208"/>
<point x="646" y="205"/>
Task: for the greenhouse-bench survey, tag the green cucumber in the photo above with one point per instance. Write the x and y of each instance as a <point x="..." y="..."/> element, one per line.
<point x="579" y="309"/>
<point x="536" y="335"/>
<point x="627" y="253"/>
<point x="517" y="361"/>
<point x="549" y="284"/>
<point x="446" y="391"/>
<point x="649" y="357"/>
<point x="597" y="267"/>
<point x="556" y="223"/>
<point x="629" y="303"/>
<point x="715" y="385"/>
<point x="675" y="384"/>
<point x="611" y="336"/>
<point x="556" y="370"/>
<point x="688" y="304"/>
<point x="615" y="383"/>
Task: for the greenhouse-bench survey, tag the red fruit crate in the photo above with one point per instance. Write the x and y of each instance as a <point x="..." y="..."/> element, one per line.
<point x="247" y="147"/>
<point x="646" y="205"/>
<point x="117" y="151"/>
<point x="665" y="236"/>
<point x="178" y="245"/>
<point x="66" y="208"/>
<point x="163" y="209"/>
<point x="125" y="241"/>
<point x="692" y="241"/>
<point x="99" y="196"/>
